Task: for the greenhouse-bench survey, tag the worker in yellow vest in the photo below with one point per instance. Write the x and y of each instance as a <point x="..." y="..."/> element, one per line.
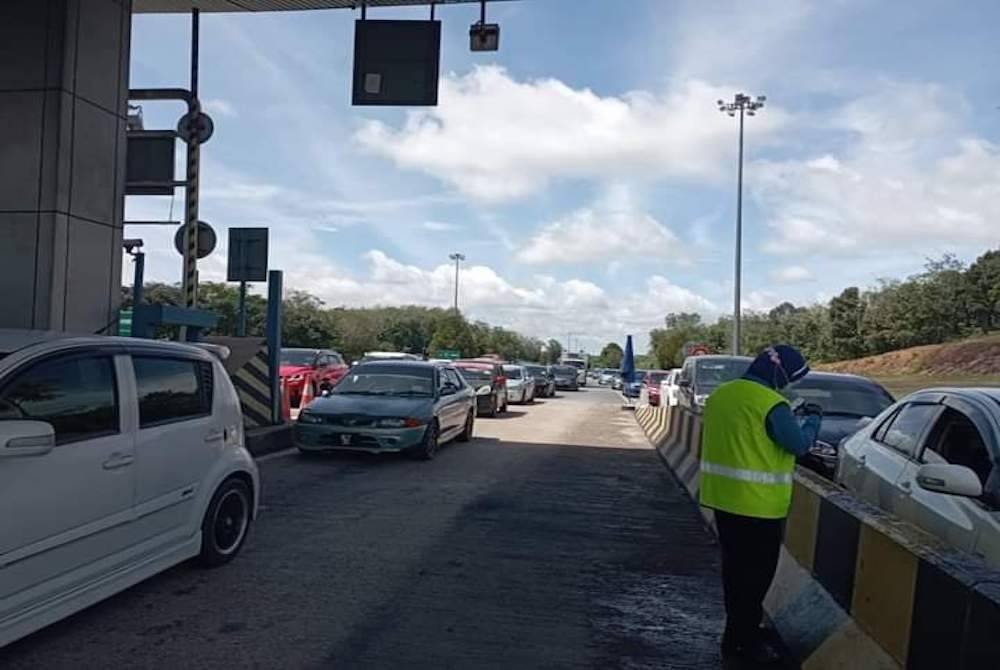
<point x="750" y="440"/>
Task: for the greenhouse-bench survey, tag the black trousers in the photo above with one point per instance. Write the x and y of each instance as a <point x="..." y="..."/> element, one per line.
<point x="750" y="548"/>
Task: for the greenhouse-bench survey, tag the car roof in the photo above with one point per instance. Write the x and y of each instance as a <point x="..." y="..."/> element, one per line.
<point x="983" y="393"/>
<point x="833" y="376"/>
<point x="13" y="339"/>
<point x="395" y="363"/>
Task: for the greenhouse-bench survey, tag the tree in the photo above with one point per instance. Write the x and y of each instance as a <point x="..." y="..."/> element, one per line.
<point x="610" y="356"/>
<point x="846" y="317"/>
<point x="983" y="282"/>
<point x="553" y="352"/>
<point x="453" y="334"/>
<point x="304" y="322"/>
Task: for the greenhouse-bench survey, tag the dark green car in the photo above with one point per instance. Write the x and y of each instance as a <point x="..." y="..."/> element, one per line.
<point x="390" y="406"/>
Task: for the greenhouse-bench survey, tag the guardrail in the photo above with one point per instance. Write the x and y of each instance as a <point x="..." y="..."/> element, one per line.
<point x="856" y="587"/>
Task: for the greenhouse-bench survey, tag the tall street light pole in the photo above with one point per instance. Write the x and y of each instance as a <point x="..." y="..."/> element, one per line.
<point x="748" y="106"/>
<point x="458" y="258"/>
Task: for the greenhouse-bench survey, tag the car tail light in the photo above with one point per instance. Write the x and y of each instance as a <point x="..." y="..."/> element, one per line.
<point x="501" y="380"/>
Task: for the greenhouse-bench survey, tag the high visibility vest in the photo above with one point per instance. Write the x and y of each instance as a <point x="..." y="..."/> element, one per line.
<point x="743" y="471"/>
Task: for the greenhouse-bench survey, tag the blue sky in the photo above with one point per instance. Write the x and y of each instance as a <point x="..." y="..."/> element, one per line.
<point x="584" y="169"/>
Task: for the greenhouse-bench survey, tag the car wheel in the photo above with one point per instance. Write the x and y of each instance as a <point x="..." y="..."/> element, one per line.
<point x="470" y="424"/>
<point x="428" y="449"/>
<point x="226" y="523"/>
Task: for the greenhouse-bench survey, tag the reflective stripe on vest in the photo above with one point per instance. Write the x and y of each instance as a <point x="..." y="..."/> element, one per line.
<point x="743" y="471"/>
<point x="747" y="475"/>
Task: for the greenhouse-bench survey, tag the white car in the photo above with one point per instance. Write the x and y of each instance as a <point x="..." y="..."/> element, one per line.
<point x="119" y="458"/>
<point x="669" y="389"/>
<point x="520" y="385"/>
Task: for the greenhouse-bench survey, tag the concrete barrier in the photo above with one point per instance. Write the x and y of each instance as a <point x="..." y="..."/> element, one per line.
<point x="857" y="588"/>
<point x="248" y="368"/>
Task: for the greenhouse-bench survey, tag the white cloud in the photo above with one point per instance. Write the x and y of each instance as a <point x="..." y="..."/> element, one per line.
<point x="791" y="274"/>
<point x="910" y="180"/>
<point x="613" y="227"/>
<point x="219" y="107"/>
<point x="496" y="138"/>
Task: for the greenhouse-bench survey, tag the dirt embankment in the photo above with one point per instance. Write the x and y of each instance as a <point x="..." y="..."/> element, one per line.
<point x="976" y="357"/>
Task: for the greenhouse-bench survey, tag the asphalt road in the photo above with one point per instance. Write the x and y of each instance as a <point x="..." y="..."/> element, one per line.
<point x="556" y="539"/>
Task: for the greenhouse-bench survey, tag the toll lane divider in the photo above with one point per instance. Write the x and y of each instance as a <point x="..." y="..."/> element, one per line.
<point x="247" y="366"/>
<point x="857" y="588"/>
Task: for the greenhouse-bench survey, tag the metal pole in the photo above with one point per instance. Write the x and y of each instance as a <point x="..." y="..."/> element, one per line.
<point x="138" y="292"/>
<point x="274" y="297"/>
<point x="191" y="189"/>
<point x="456" y="284"/>
<point x="241" y="319"/>
<point x="739" y="247"/>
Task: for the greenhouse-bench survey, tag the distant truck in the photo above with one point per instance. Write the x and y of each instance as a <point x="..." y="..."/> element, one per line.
<point x="578" y="361"/>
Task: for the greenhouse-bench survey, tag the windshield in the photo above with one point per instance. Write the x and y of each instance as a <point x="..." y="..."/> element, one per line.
<point x="535" y="371"/>
<point x="512" y="373"/>
<point x="578" y="365"/>
<point x="476" y="375"/>
<point x="656" y="377"/>
<point x="416" y="384"/>
<point x="711" y="374"/>
<point x="564" y="370"/>
<point x="299" y="358"/>
<point x="847" y="398"/>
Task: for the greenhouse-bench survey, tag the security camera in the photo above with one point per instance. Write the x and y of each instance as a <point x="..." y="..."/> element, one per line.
<point x="132" y="244"/>
<point x="484" y="37"/>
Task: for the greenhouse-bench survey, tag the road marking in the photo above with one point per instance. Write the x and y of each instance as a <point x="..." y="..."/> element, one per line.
<point x="277" y="454"/>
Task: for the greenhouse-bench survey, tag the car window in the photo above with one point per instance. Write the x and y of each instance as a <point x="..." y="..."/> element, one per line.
<point x="455" y="378"/>
<point x="956" y="440"/>
<point x="77" y="396"/>
<point x="903" y="431"/>
<point x="512" y="373"/>
<point x="172" y="389"/>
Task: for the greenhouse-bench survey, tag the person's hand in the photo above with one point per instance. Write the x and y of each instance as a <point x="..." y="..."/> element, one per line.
<point x="812" y="422"/>
<point x="812" y="409"/>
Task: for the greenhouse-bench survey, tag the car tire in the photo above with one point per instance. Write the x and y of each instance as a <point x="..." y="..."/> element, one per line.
<point x="470" y="426"/>
<point x="429" y="447"/>
<point x="226" y="524"/>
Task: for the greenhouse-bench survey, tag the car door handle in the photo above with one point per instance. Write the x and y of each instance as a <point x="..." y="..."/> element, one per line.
<point x="214" y="436"/>
<point x="118" y="460"/>
<point x="905" y="486"/>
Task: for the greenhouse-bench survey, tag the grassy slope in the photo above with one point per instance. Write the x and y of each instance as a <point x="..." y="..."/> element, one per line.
<point x="974" y="362"/>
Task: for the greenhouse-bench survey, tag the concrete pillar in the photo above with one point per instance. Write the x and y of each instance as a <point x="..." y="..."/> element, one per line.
<point x="63" y="111"/>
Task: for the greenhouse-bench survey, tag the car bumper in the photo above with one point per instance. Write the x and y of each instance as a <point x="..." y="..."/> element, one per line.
<point x="319" y="437"/>
<point x="566" y="384"/>
<point x="517" y="394"/>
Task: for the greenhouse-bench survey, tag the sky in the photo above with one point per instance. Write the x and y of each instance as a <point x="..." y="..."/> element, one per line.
<point x="584" y="170"/>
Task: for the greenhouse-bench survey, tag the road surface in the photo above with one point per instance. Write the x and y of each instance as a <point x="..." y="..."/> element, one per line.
<point x="556" y="539"/>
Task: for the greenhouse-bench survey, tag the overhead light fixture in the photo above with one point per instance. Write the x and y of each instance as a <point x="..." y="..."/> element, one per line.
<point x="484" y="36"/>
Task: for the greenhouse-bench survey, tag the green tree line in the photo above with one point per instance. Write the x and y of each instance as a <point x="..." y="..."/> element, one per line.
<point x="308" y="322"/>
<point x="948" y="301"/>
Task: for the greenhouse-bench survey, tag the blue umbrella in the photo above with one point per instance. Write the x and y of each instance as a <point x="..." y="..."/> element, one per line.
<point x="628" y="362"/>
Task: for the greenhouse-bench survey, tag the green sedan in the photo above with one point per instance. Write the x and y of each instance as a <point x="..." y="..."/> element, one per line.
<point x="390" y="406"/>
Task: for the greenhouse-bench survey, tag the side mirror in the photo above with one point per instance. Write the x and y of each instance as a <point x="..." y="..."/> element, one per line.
<point x="684" y="383"/>
<point x="26" y="438"/>
<point x="955" y="480"/>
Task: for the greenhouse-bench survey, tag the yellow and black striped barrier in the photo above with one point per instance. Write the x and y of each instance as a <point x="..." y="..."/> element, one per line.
<point x="247" y="366"/>
<point x="856" y="588"/>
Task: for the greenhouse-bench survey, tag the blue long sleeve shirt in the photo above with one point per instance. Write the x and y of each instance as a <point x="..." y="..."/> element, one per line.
<point x="784" y="428"/>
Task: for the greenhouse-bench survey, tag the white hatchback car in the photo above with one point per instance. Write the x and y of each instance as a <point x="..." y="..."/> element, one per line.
<point x="119" y="458"/>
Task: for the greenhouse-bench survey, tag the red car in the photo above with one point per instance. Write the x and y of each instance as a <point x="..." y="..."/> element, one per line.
<point x="317" y="367"/>
<point x="652" y="385"/>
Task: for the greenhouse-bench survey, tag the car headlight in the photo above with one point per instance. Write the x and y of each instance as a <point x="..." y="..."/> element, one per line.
<point x="701" y="398"/>
<point x="309" y="417"/>
<point x="484" y="390"/>
<point x="296" y="378"/>
<point x="821" y="448"/>
<point x="398" y="423"/>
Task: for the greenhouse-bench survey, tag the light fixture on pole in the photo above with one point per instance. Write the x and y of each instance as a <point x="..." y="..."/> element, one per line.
<point x="748" y="106"/>
<point x="458" y="258"/>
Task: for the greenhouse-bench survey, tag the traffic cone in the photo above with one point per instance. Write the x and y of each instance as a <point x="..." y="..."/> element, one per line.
<point x="286" y="403"/>
<point x="307" y="395"/>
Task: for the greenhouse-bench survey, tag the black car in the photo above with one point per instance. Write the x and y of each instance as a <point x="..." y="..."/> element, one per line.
<point x="545" y="383"/>
<point x="565" y="377"/>
<point x="490" y="385"/>
<point x="848" y="401"/>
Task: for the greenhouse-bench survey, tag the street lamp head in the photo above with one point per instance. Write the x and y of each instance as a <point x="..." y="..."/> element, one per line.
<point x="761" y="99"/>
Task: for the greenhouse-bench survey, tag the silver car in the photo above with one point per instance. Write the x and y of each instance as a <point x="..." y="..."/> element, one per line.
<point x="932" y="459"/>
<point x="520" y="385"/>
